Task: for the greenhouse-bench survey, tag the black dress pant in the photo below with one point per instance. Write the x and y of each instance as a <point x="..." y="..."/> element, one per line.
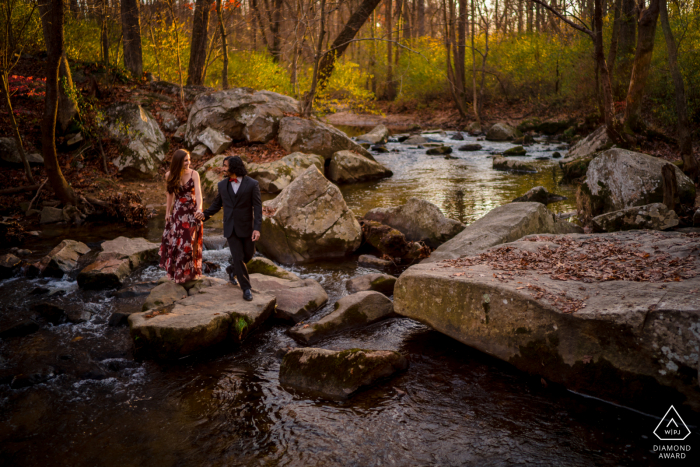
<point x="242" y="251"/>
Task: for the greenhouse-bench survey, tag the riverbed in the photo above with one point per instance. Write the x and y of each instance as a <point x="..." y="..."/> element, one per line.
<point x="92" y="403"/>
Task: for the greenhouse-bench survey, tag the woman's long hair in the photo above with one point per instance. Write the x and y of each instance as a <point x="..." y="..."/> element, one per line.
<point x="173" y="182"/>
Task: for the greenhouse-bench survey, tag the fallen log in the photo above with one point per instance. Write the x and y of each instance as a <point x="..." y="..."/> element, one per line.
<point x="19" y="189"/>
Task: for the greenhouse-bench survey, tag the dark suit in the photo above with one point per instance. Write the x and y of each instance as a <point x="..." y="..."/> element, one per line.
<point x="242" y="215"/>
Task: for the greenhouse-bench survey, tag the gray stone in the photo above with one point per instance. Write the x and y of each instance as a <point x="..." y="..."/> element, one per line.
<point x="308" y="220"/>
<point x="349" y="167"/>
<point x="62" y="259"/>
<point x="630" y="335"/>
<point x="215" y="243"/>
<point x="337" y="375"/>
<point x="378" y="134"/>
<point x="164" y="294"/>
<point x="470" y="147"/>
<point x="51" y="215"/>
<point x="275" y="176"/>
<point x="196" y="286"/>
<point x="596" y="141"/>
<point x="474" y="129"/>
<point x="296" y="299"/>
<point x="458" y="136"/>
<point x="351" y="312"/>
<point x="415" y="139"/>
<point x="179" y="134"/>
<point x="215" y="315"/>
<point x="515" y="151"/>
<point x="418" y="220"/>
<point x="372" y="261"/>
<point x="310" y="136"/>
<point x="501" y="132"/>
<point x="118" y="258"/>
<point x="539" y="194"/>
<point x="216" y="141"/>
<point x="502" y="163"/>
<point x="263" y="123"/>
<point x="200" y="150"/>
<point x="260" y="265"/>
<point x="617" y="179"/>
<point x="170" y="121"/>
<point x="382" y="283"/>
<point x="651" y="216"/>
<point x="9" y="265"/>
<point x="439" y="151"/>
<point x="210" y="174"/>
<point x="139" y="136"/>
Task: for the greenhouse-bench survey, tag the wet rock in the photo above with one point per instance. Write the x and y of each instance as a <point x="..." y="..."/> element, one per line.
<point x="474" y="129"/>
<point x="378" y="134"/>
<point x="164" y="294"/>
<point x="415" y="139"/>
<point x="628" y="334"/>
<point x="32" y="377"/>
<point x="501" y="132"/>
<point x="9" y="265"/>
<point x="313" y="137"/>
<point x="240" y="114"/>
<point x="216" y="314"/>
<point x="118" y="258"/>
<point x="617" y="179"/>
<point x="380" y="148"/>
<point x="275" y="176"/>
<point x="371" y="261"/>
<point x="439" y="151"/>
<point x="591" y="144"/>
<point x="51" y="312"/>
<point x="652" y="216"/>
<point x="471" y="147"/>
<point x="296" y="299"/>
<point x="348" y="167"/>
<point x="138" y="134"/>
<point x="337" y="375"/>
<point x="51" y="215"/>
<point x="418" y="220"/>
<point x="260" y="265"/>
<point x="386" y="239"/>
<point x="138" y="290"/>
<point x="515" y="151"/>
<point x="351" y="312"/>
<point x="216" y="141"/>
<point x="209" y="267"/>
<point x="382" y="283"/>
<point x="308" y="220"/>
<point x="458" y="136"/>
<point x="20" y="329"/>
<point x="118" y="318"/>
<point x="170" y="121"/>
<point x="525" y="139"/>
<point x="77" y="316"/>
<point x="575" y="169"/>
<point x="501" y="163"/>
<point x="539" y="194"/>
<point x="215" y="243"/>
<point x="62" y="259"/>
<point x="556" y="155"/>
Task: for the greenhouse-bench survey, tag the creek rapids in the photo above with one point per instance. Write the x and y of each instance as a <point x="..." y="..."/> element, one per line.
<point x="96" y="405"/>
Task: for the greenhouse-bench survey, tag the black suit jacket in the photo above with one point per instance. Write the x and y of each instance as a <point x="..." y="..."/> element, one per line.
<point x="238" y="207"/>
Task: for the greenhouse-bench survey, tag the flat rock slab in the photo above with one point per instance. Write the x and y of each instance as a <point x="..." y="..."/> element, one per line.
<point x="382" y="283"/>
<point x="119" y="257"/>
<point x="214" y="315"/>
<point x="337" y="375"/>
<point x="296" y="299"/>
<point x="260" y="265"/>
<point x="351" y="312"/>
<point x="543" y="305"/>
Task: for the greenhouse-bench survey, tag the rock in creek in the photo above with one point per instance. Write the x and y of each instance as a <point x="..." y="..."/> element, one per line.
<point x="458" y="136"/>
<point x="471" y="147"/>
<point x="260" y="265"/>
<point x="617" y="179"/>
<point x="539" y="194"/>
<point x="296" y="299"/>
<point x="597" y="324"/>
<point x="215" y="242"/>
<point x="652" y="216"/>
<point x="371" y="261"/>
<point x="9" y="265"/>
<point x="595" y="142"/>
<point x="337" y="375"/>
<point x="214" y="140"/>
<point x="164" y="294"/>
<point x="419" y="220"/>
<point x="382" y="283"/>
<point x="214" y="315"/>
<point x="62" y="259"/>
<point x="275" y="176"/>
<point x="501" y="132"/>
<point x="415" y="139"/>
<point x="51" y="215"/>
<point x="515" y="151"/>
<point x="379" y="134"/>
<point x="501" y="163"/>
<point x="118" y="258"/>
<point x="348" y="167"/>
<point x="575" y="169"/>
<point x="474" y="129"/>
<point x="351" y="312"/>
<point x="385" y="239"/>
<point x="314" y="137"/>
<point x="439" y="151"/>
<point x="308" y="220"/>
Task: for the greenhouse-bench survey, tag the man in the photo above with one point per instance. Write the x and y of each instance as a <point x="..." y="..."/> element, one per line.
<point x="240" y="197"/>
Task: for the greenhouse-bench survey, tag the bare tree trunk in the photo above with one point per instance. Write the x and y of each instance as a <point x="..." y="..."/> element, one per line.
<point x="520" y="16"/>
<point x="612" y="53"/>
<point x="104" y="32"/>
<point x="608" y="105"/>
<point x="670" y="186"/>
<point x="53" y="16"/>
<point x="640" y="69"/>
<point x="420" y="17"/>
<point x="389" y="92"/>
<point x="627" y="40"/>
<point x="275" y="48"/>
<point x="685" y="136"/>
<point x="131" y="30"/>
<point x="258" y="18"/>
<point x="475" y="98"/>
<point x="308" y="103"/>
<point x="198" y="45"/>
<point x="224" y="45"/>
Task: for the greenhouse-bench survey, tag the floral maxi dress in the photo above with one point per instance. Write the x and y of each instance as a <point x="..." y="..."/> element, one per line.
<point x="181" y="247"/>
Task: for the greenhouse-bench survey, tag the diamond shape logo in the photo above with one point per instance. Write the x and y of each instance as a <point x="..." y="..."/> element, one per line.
<point x="672" y="427"/>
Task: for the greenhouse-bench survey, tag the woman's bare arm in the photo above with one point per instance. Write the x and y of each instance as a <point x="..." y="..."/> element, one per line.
<point x="169" y="198"/>
<point x="197" y="191"/>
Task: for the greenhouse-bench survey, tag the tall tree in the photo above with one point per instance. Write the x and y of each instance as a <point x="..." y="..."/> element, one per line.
<point x="419" y="6"/>
<point x="198" y="45"/>
<point x="275" y="22"/>
<point x="104" y="32"/>
<point x="131" y="33"/>
<point x="224" y="45"/>
<point x="390" y="90"/>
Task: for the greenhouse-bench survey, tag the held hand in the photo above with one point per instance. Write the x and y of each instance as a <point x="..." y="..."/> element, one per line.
<point x="256" y="235"/>
<point x="199" y="215"/>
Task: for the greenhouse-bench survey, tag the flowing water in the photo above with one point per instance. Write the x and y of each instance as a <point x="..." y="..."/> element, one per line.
<point x="89" y="402"/>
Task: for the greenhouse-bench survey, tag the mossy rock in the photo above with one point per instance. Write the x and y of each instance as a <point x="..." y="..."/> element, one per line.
<point x="515" y="151"/>
<point x="260" y="265"/>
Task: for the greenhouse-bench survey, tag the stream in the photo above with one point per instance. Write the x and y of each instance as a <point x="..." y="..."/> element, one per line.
<point x="89" y="402"/>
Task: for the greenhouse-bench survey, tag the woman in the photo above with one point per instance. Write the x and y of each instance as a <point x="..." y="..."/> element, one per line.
<point x="181" y="248"/>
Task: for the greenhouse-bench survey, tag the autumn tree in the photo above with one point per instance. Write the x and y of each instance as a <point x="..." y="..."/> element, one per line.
<point x="131" y="31"/>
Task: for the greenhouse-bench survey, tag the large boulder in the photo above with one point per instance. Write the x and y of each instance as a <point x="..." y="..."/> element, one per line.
<point x="210" y="174"/>
<point x="351" y="312"/>
<point x="611" y="315"/>
<point x="415" y="139"/>
<point x="9" y="152"/>
<point x="539" y="194"/>
<point x="214" y="140"/>
<point x="382" y="283"/>
<point x="652" y="216"/>
<point x="349" y="167"/>
<point x="501" y="132"/>
<point x="595" y="142"/>
<point x="314" y="137"/>
<point x="337" y="375"/>
<point x="308" y="220"/>
<point x="379" y="134"/>
<point x="142" y="143"/>
<point x="619" y="179"/>
<point x="164" y="294"/>
<point x="118" y="258"/>
<point x="513" y="165"/>
<point x="240" y="114"/>
<point x="273" y="177"/>
<point x="296" y="299"/>
<point x="214" y="315"/>
<point x="260" y="265"/>
<point x="418" y="220"/>
<point x="62" y="259"/>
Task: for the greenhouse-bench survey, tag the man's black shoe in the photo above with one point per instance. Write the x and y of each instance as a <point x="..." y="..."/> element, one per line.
<point x="248" y="295"/>
<point x="232" y="278"/>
